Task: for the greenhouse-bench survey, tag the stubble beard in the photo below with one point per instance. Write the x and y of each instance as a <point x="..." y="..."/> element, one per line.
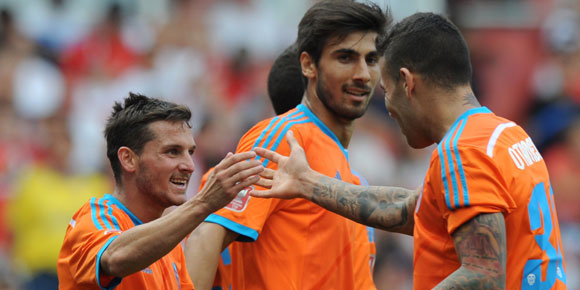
<point x="341" y="111"/>
<point x="147" y="188"/>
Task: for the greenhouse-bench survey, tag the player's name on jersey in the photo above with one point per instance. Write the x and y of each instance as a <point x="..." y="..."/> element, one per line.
<point x="524" y="153"/>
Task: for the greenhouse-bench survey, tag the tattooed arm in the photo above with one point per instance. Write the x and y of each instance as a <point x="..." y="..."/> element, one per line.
<point x="388" y="208"/>
<point x="481" y="246"/>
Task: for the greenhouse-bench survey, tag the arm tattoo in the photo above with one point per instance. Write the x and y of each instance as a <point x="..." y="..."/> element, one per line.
<point x="481" y="246"/>
<point x="387" y="208"/>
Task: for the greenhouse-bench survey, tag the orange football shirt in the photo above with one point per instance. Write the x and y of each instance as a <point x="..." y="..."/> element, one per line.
<point x="295" y="244"/>
<point x="487" y="164"/>
<point x="91" y="230"/>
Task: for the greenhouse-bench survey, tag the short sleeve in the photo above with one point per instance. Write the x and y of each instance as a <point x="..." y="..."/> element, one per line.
<point x="471" y="184"/>
<point x="246" y="215"/>
<point x="89" y="239"/>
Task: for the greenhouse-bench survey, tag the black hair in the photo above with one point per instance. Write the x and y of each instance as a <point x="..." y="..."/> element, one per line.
<point x="338" y="18"/>
<point x="430" y="45"/>
<point x="129" y="122"/>
<point x="285" y="81"/>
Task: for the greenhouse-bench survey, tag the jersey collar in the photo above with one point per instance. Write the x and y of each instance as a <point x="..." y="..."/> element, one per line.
<point x="322" y="127"/>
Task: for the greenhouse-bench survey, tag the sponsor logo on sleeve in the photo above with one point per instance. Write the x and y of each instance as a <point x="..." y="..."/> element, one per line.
<point x="240" y="202"/>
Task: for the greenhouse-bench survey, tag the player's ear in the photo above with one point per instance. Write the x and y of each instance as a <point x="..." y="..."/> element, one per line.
<point x="408" y="80"/>
<point x="127" y="158"/>
<point x="308" y="65"/>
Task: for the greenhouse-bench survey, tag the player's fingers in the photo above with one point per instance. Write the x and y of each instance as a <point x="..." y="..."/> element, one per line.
<point x="292" y="141"/>
<point x="268" y="173"/>
<point x="261" y="193"/>
<point x="231" y="159"/>
<point x="243" y="170"/>
<point x="245" y="183"/>
<point x="268" y="154"/>
<point x="265" y="183"/>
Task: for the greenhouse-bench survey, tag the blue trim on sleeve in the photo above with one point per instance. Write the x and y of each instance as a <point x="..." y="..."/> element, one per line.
<point x="323" y="128"/>
<point x="249" y="234"/>
<point x="451" y="167"/>
<point x="371" y="234"/>
<point x="261" y="137"/>
<point x="464" y="116"/>
<point x="176" y="276"/>
<point x="135" y="219"/>
<point x="102" y="213"/>
<point x="443" y="175"/>
<point x="272" y="132"/>
<point x="226" y="257"/>
<point x="363" y="180"/>
<point x="115" y="280"/>
<point x="113" y="218"/>
<point x="285" y="122"/>
<point x="460" y="166"/>
<point x="94" y="215"/>
<point x="282" y="135"/>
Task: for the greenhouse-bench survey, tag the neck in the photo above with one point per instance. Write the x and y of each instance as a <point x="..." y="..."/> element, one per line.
<point x="134" y="200"/>
<point x="450" y="107"/>
<point x="341" y="127"/>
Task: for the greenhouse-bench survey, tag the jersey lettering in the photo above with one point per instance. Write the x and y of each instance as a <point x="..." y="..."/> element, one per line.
<point x="540" y="213"/>
<point x="524" y="153"/>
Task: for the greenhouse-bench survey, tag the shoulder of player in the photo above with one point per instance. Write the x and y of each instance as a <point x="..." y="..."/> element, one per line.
<point x="97" y="214"/>
<point x="271" y="132"/>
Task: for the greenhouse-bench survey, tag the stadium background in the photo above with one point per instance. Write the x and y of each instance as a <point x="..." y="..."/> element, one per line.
<point x="64" y="62"/>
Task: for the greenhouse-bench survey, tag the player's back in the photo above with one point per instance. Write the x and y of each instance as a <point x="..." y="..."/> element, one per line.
<point x="486" y="164"/>
<point x="535" y="258"/>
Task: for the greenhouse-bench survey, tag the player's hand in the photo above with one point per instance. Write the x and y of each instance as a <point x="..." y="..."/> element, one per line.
<point x="285" y="182"/>
<point x="234" y="173"/>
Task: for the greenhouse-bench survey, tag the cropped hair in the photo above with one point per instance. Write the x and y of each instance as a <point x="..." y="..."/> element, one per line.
<point x="430" y="45"/>
<point x="129" y="122"/>
<point x="330" y="19"/>
<point x="285" y="81"/>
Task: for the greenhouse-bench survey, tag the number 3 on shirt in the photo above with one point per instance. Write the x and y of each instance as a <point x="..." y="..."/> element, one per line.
<point x="540" y="213"/>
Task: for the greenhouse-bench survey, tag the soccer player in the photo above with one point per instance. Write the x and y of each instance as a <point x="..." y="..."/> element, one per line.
<point x="121" y="240"/>
<point x="285" y="90"/>
<point x="485" y="217"/>
<point x="295" y="244"/>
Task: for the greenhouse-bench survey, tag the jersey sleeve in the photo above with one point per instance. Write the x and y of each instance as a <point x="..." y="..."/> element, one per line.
<point x="89" y="237"/>
<point x="246" y="215"/>
<point x="471" y="183"/>
<point x="181" y="269"/>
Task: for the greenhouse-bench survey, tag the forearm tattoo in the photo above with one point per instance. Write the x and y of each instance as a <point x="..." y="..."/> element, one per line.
<point x="388" y="208"/>
<point x="481" y="246"/>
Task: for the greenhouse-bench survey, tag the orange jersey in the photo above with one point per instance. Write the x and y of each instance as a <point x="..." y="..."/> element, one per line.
<point x="487" y="164"/>
<point x="223" y="276"/>
<point x="295" y="244"/>
<point x="91" y="231"/>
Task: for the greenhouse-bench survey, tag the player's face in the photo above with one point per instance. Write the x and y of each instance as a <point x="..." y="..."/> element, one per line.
<point x="347" y="74"/>
<point x="166" y="164"/>
<point x="401" y="108"/>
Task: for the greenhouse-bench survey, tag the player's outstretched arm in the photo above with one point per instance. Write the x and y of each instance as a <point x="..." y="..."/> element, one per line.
<point x="203" y="250"/>
<point x="480" y="244"/>
<point x="387" y="208"/>
<point x="142" y="245"/>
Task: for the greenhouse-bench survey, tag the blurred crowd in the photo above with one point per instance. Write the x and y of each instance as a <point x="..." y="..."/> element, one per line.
<point x="63" y="64"/>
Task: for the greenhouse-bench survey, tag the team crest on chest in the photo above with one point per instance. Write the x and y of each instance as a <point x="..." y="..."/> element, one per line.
<point x="240" y="202"/>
